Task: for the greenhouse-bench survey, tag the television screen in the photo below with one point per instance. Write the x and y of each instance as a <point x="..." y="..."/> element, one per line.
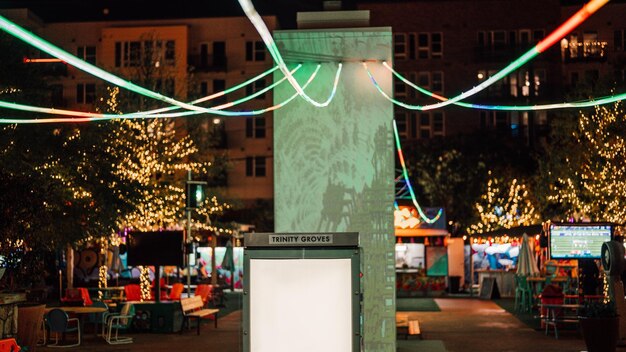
<point x="578" y="241"/>
<point x="155" y="248"/>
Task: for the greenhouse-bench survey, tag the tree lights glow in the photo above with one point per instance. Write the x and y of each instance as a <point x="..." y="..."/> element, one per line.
<point x="589" y="180"/>
<point x="503" y="206"/>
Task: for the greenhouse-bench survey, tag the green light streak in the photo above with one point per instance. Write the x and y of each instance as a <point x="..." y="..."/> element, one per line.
<point x="89" y="117"/>
<point x="265" y="34"/>
<point x="59" y="53"/>
<point x="579" y="104"/>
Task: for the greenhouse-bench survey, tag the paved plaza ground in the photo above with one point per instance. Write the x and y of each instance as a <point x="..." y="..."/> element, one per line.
<point x="462" y="325"/>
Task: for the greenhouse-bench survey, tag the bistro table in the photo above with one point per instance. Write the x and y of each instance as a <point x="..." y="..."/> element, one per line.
<point x="80" y="311"/>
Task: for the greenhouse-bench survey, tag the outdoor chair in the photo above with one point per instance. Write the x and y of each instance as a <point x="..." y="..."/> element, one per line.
<point x="204" y="291"/>
<point x="132" y="292"/>
<point x="29" y="322"/>
<point x="118" y="321"/>
<point x="59" y="323"/>
<point x="177" y="290"/>
<point x="523" y="294"/>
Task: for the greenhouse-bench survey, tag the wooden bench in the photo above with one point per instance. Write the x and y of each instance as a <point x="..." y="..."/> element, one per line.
<point x="193" y="307"/>
<point x="407" y="327"/>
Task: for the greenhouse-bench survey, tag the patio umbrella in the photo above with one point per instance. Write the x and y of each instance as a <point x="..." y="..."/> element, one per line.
<point x="526" y="264"/>
<point x="228" y="263"/>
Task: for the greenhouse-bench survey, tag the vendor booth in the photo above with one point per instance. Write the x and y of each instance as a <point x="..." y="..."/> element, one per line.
<point x="496" y="254"/>
<point x="422" y="258"/>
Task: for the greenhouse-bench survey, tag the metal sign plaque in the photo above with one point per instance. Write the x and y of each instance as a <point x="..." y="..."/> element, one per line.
<point x="346" y="239"/>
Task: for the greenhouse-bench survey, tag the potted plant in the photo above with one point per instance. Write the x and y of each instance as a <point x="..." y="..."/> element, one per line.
<point x="600" y="324"/>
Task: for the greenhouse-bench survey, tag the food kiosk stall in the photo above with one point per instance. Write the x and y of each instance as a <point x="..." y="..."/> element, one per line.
<point x="495" y="254"/>
<point x="422" y="258"/>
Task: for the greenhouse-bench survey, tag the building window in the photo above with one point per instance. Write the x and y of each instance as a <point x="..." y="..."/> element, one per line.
<point x="85" y="93"/>
<point x="258" y="85"/>
<point x="255" y="166"/>
<point x="255" y="51"/>
<point x="165" y="86"/>
<point x="422" y="46"/>
<point x="87" y="53"/>
<point x="436" y="45"/>
<point x="255" y="127"/>
<point x="590" y="47"/>
<point x="170" y="53"/>
<point x="219" y="85"/>
<point x="399" y="45"/>
<point x="524" y="37"/>
<point x="400" y="88"/>
<point x="401" y="123"/>
<point x="619" y="40"/>
<point x="492" y="39"/>
<point x="425" y="125"/>
<point x="147" y="53"/>
<point x="413" y="93"/>
<point x="412" y="50"/>
<point x="204" y="88"/>
<point x="538" y="35"/>
<point x="437" y="81"/>
<point x="438" y="124"/>
<point x="423" y="80"/>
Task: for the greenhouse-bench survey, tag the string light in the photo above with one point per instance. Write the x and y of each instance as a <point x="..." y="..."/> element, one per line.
<point x="265" y="34"/>
<point x="405" y="173"/>
<point x="107" y="117"/>
<point x="579" y="104"/>
<point x="144" y="283"/>
<point x="102" y="279"/>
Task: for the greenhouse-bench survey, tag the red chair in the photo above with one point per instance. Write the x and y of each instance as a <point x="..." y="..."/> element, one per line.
<point x="204" y="291"/>
<point x="9" y="345"/>
<point x="77" y="297"/>
<point x="132" y="292"/>
<point x="177" y="290"/>
<point x="164" y="295"/>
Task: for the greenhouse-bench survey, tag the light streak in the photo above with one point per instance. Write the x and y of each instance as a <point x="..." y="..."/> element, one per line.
<point x="265" y="34"/>
<point x="578" y="104"/>
<point x="93" y="117"/>
<point x="405" y="173"/>
<point x="552" y="38"/>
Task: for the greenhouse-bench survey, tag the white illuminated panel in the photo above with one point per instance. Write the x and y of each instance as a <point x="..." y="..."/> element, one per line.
<point x="300" y="305"/>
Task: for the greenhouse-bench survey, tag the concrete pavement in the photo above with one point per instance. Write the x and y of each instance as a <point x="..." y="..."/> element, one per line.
<point x="462" y="325"/>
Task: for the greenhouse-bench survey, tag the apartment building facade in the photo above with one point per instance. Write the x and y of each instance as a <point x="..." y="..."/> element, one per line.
<point x="451" y="46"/>
<point x="189" y="58"/>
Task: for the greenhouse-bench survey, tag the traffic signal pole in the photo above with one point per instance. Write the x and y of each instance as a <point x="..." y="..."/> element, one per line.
<point x="188" y="211"/>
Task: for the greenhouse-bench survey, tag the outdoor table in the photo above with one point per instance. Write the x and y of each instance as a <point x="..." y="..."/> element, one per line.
<point x="557" y="314"/>
<point x="79" y="311"/>
<point x="537" y="282"/>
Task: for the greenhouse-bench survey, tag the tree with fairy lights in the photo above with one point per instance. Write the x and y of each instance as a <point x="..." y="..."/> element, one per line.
<point x="505" y="204"/>
<point x="156" y="153"/>
<point x="583" y="176"/>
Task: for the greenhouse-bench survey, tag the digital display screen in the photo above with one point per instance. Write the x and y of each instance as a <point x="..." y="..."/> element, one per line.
<point x="155" y="248"/>
<point x="568" y="241"/>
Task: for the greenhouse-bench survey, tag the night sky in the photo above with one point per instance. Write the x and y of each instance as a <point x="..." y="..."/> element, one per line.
<point x="94" y="10"/>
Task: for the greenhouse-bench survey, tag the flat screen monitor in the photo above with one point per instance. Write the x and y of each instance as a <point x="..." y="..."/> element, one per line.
<point x="578" y="241"/>
<point x="162" y="248"/>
